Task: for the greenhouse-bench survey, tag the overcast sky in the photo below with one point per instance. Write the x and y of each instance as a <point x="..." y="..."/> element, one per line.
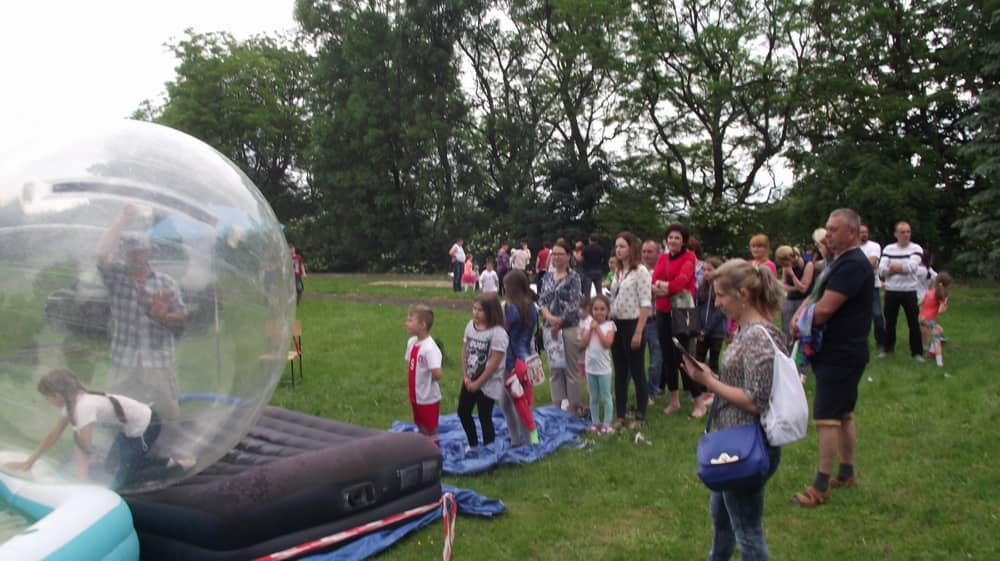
<point x="66" y="62"/>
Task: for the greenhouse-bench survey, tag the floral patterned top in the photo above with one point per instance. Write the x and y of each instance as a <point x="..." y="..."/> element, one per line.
<point x="630" y="291"/>
<point x="562" y="297"/>
<point x="748" y="363"/>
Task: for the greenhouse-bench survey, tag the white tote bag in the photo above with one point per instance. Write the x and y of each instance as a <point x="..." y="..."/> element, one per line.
<point x="788" y="415"/>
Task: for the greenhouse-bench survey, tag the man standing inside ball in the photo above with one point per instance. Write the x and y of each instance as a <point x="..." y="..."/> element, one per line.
<point x="147" y="311"/>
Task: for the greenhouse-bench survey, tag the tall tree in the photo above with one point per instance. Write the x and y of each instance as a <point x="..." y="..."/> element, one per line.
<point x="888" y="92"/>
<point x="245" y="99"/>
<point x="386" y="150"/>
<point x="713" y="88"/>
<point x="980" y="227"/>
<point x="507" y="119"/>
<point x="576" y="50"/>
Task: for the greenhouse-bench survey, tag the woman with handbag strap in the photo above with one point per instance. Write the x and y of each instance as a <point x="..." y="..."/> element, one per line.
<point x="559" y="298"/>
<point x="749" y="296"/>
<point x="673" y="276"/>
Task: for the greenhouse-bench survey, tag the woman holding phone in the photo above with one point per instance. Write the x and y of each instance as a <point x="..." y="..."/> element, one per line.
<point x="749" y="296"/>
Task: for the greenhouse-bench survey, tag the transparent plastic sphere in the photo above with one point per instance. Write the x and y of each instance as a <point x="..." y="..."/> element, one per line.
<point x="145" y="262"/>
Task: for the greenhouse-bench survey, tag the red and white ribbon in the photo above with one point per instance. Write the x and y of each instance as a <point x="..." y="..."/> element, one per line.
<point x="449" y="507"/>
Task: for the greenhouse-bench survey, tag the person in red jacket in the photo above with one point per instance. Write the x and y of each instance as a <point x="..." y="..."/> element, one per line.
<point x="674" y="284"/>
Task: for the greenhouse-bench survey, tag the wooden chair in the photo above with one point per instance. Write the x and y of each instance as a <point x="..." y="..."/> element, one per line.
<point x="296" y="351"/>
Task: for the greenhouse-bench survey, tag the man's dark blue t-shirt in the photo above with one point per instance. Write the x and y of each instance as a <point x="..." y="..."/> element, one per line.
<point x="845" y="342"/>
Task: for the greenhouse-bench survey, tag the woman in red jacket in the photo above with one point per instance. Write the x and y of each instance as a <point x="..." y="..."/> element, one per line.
<point x="674" y="283"/>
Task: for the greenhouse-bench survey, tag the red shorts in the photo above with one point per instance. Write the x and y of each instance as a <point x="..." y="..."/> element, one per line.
<point x="425" y="415"/>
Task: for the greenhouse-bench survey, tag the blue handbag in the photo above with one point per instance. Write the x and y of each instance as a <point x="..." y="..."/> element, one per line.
<point x="733" y="459"/>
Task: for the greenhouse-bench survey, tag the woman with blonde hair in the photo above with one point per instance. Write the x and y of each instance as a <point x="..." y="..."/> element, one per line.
<point x="797" y="277"/>
<point x="748" y="295"/>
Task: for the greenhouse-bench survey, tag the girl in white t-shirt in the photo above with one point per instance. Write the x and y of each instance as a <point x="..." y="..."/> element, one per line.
<point x="484" y="348"/>
<point x="138" y="428"/>
<point x="596" y="340"/>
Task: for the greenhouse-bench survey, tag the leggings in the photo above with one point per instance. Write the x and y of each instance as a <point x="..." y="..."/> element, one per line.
<point x="600" y="395"/>
<point x="629" y="365"/>
<point x="710" y="347"/>
<point x="672" y="359"/>
<point x="484" y="405"/>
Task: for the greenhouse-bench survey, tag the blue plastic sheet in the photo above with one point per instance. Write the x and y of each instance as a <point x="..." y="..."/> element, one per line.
<point x="372" y="544"/>
<point x="556" y="428"/>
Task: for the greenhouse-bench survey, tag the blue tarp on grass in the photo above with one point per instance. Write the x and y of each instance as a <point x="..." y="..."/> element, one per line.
<point x="556" y="428"/>
<point x="372" y="544"/>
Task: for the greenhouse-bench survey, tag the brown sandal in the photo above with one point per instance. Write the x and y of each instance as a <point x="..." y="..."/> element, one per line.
<point x="836" y="483"/>
<point x="810" y="498"/>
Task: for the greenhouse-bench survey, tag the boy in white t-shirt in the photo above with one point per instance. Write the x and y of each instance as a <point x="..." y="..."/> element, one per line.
<point x="424" y="370"/>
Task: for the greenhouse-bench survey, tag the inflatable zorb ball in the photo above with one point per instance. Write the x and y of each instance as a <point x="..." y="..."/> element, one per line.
<point x="148" y="264"/>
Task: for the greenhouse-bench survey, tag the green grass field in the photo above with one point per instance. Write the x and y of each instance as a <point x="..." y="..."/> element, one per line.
<point x="927" y="441"/>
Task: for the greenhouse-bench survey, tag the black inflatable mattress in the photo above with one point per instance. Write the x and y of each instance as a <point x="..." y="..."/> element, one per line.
<point x="292" y="479"/>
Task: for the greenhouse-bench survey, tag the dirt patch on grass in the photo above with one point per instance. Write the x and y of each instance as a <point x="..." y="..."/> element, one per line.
<point x="420" y="283"/>
<point x="445" y="303"/>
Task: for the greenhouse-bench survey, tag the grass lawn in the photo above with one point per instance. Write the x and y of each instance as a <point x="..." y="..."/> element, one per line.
<point x="925" y="451"/>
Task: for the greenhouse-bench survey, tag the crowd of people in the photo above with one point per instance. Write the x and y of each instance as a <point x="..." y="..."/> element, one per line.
<point x="667" y="300"/>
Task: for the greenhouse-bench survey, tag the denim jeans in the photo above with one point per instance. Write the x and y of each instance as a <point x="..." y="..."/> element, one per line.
<point x="877" y="320"/>
<point x="655" y="357"/>
<point x="738" y="517"/>
<point x="457" y="268"/>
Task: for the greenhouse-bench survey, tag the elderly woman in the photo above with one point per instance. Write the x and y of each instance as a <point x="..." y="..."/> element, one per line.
<point x="797" y="278"/>
<point x="673" y="276"/>
<point x="559" y="299"/>
<point x="630" y="304"/>
<point x="749" y="296"/>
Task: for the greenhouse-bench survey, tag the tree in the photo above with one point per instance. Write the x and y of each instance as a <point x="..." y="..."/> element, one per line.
<point x="888" y="92"/>
<point x="245" y="99"/>
<point x="387" y="152"/>
<point x="507" y="120"/>
<point x="980" y="227"/>
<point x="713" y="89"/>
<point x="579" y="56"/>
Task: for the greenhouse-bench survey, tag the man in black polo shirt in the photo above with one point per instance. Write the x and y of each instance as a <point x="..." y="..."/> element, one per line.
<point x="844" y="309"/>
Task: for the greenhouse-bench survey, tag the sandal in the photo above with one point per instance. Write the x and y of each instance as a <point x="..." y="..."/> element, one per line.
<point x="810" y="498"/>
<point x="671" y="409"/>
<point x="836" y="483"/>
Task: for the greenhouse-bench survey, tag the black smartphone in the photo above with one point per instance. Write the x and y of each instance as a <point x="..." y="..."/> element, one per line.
<point x="683" y="349"/>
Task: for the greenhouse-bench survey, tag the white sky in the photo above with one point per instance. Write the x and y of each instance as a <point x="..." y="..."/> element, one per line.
<point x="67" y="62"/>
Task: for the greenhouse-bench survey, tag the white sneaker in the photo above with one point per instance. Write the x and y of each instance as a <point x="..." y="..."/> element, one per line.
<point x="919" y="358"/>
<point x="183" y="463"/>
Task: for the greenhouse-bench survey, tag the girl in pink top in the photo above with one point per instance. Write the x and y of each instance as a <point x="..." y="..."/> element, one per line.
<point x="469" y="274"/>
<point x="760" y="250"/>
<point x="935" y="302"/>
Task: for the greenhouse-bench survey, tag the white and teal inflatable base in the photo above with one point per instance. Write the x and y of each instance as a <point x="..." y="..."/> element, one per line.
<point x="73" y="523"/>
